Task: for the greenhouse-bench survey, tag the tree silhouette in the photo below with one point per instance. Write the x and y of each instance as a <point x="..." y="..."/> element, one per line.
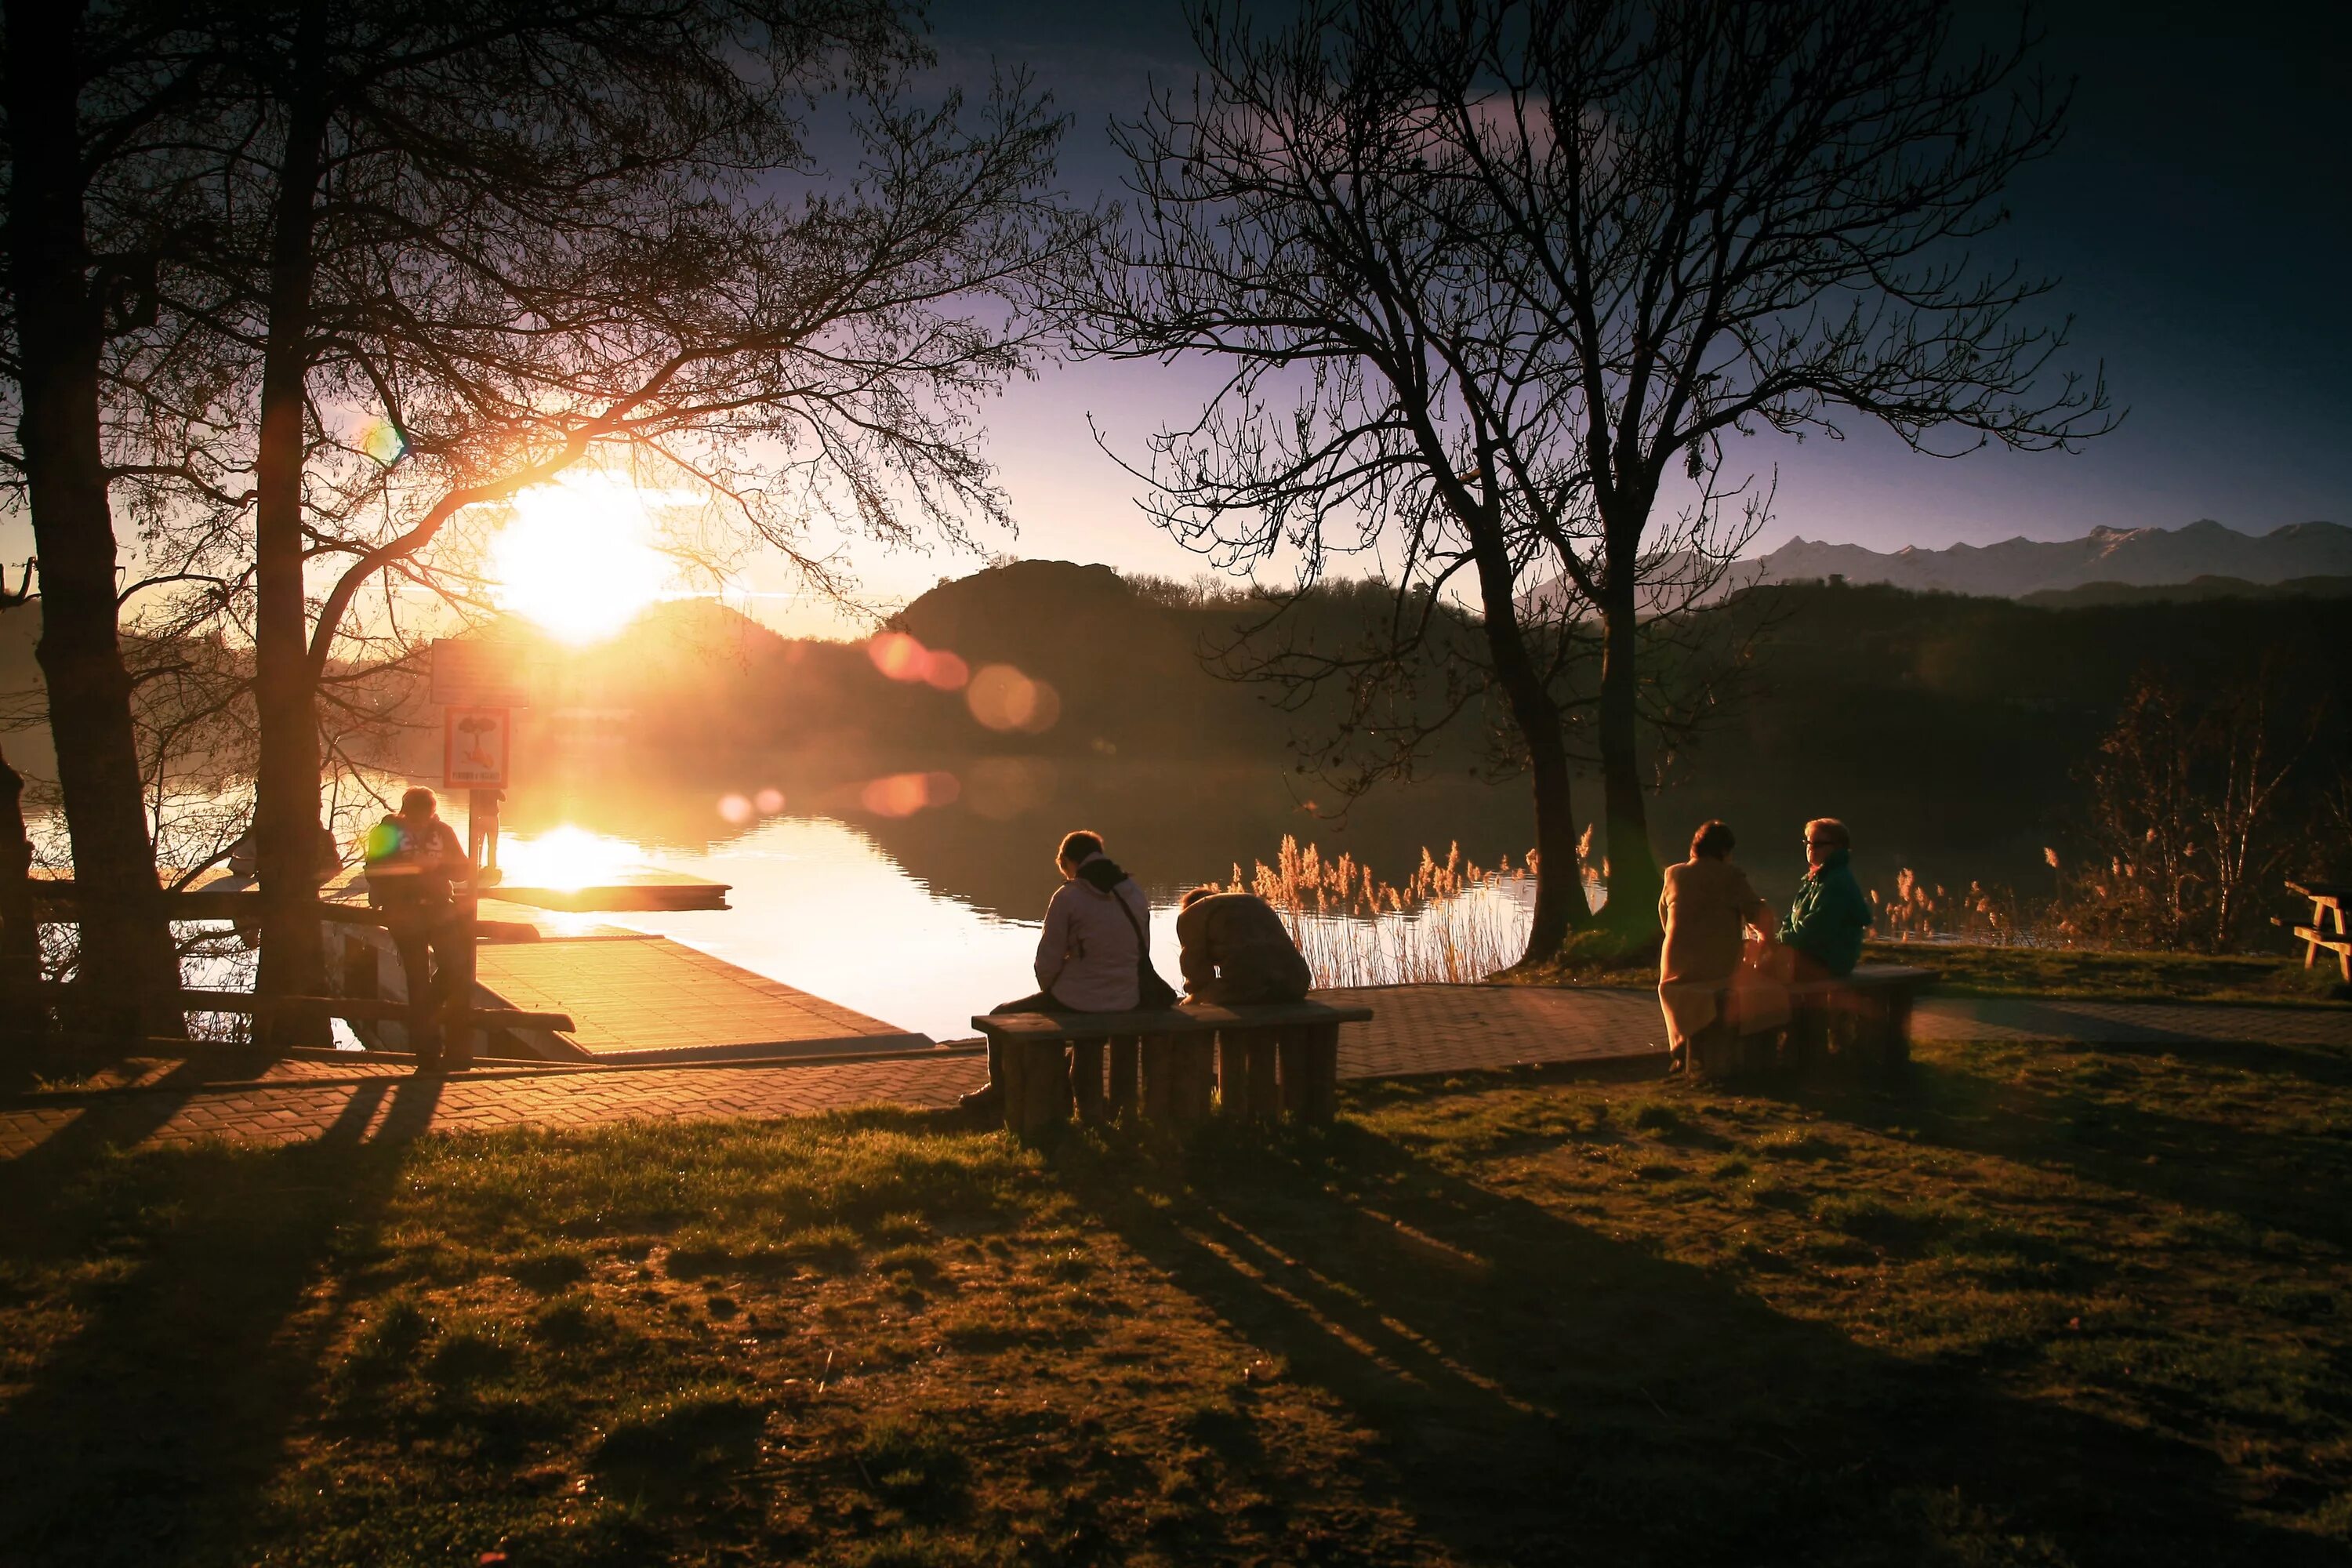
<point x="529" y="234"/>
<point x="1500" y="282"/>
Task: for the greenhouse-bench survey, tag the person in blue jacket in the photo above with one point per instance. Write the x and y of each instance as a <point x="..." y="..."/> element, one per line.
<point x="1825" y="925"/>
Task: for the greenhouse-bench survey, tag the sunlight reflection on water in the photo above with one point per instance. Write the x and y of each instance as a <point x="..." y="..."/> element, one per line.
<point x="819" y="906"/>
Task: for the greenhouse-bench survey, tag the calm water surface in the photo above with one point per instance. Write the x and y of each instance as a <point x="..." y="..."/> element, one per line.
<point x="925" y="918"/>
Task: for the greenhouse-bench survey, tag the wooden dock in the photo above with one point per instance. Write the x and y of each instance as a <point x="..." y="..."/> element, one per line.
<point x="632" y="996"/>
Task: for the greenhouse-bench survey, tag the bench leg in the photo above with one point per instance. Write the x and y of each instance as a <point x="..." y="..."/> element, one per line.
<point x="1005" y="1060"/>
<point x="1262" y="1089"/>
<point x="1897" y="1035"/>
<point x="1808" y="1039"/>
<point x="1322" y="1089"/>
<point x="1194" y="1083"/>
<point x="1123" y="1051"/>
<point x="1087" y="1079"/>
<point x="1159" y="1073"/>
<point x="1044" y="1080"/>
<point x="1291" y="1053"/>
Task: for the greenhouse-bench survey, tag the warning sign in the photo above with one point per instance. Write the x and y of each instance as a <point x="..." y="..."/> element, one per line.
<point x="475" y="748"/>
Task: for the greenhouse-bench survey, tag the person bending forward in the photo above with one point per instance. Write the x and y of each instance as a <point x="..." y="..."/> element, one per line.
<point x="1235" y="950"/>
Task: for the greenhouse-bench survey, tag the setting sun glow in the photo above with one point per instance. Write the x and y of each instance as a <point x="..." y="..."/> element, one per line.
<point x="567" y="858"/>
<point x="578" y="558"/>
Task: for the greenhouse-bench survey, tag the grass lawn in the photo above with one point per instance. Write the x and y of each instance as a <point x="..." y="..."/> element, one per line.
<point x="2042" y="1307"/>
<point x="1966" y="971"/>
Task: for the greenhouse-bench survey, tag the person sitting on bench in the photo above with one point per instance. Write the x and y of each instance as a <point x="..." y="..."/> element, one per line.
<point x="1237" y="951"/>
<point x="1706" y="907"/>
<point x="1090" y="952"/>
<point x="1824" y="928"/>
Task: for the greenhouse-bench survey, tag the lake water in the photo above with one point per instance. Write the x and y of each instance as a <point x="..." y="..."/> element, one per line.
<point x="916" y="896"/>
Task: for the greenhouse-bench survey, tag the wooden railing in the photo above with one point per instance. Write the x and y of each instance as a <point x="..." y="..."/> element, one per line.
<point x="29" y="1001"/>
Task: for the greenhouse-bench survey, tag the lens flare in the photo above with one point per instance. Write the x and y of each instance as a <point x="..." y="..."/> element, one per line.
<point x="897" y="654"/>
<point x="1005" y="699"/>
<point x="903" y="794"/>
<point x="382" y="440"/>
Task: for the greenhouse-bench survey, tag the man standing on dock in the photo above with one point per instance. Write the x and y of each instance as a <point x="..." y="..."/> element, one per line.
<point x="414" y="861"/>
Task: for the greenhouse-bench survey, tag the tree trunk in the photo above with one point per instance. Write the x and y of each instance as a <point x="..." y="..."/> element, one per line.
<point x="1561" y="909"/>
<point x="20" y="931"/>
<point x="286" y="808"/>
<point x="126" y="956"/>
<point x="1634" y="880"/>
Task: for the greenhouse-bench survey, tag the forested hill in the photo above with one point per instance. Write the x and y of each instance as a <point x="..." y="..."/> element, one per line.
<point x="1966" y="719"/>
<point x="1121" y="664"/>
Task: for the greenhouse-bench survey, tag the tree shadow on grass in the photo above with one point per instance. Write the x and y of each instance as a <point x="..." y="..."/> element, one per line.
<point x="1544" y="1393"/>
<point x="150" y="1432"/>
<point x="2274" y="1178"/>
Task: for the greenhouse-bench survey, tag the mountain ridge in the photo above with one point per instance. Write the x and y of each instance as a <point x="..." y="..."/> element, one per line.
<point x="2013" y="568"/>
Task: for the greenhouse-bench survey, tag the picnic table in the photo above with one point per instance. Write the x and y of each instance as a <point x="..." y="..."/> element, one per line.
<point x="2327" y="901"/>
<point x="1175" y="1065"/>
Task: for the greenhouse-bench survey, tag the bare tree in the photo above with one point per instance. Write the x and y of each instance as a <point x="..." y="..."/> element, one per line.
<point x="89" y="92"/>
<point x="1500" y="279"/>
<point x="2186" y="796"/>
<point x="539" y="234"/>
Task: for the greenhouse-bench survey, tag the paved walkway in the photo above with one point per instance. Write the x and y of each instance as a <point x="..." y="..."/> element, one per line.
<point x="1419" y="1029"/>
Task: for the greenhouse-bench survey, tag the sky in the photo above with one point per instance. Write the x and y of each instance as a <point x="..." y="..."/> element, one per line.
<point x="2199" y="214"/>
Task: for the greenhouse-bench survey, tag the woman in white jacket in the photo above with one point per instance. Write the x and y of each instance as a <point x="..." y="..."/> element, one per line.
<point x="1091" y="950"/>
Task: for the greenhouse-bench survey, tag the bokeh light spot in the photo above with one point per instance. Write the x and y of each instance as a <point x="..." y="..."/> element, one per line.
<point x="735" y="808"/>
<point x="946" y="671"/>
<point x="903" y="794"/>
<point x="1005" y="701"/>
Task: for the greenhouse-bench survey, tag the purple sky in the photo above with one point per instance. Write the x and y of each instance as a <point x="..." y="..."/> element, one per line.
<point x="2200" y="212"/>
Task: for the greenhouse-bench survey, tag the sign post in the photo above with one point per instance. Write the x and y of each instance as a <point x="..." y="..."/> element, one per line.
<point x="479" y="685"/>
<point x="476" y="748"/>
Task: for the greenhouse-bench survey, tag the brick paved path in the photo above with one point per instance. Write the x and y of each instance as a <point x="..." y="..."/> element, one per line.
<point x="1420" y="1029"/>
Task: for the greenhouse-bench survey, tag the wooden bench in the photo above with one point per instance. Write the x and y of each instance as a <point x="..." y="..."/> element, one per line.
<point x="1171" y="1065"/>
<point x="1862" y="1021"/>
<point x="2327" y="898"/>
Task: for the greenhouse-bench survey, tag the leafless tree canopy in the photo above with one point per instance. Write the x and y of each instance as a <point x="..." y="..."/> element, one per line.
<point x="1497" y="283"/>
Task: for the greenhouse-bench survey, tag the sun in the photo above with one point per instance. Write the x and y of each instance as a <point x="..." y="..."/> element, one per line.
<point x="577" y="558"/>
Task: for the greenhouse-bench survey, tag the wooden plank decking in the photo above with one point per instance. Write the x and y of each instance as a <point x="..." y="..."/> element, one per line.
<point x="635" y="997"/>
<point x="655" y="999"/>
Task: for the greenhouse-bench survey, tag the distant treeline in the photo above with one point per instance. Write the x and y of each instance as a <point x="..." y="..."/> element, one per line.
<point x="1957" y="733"/>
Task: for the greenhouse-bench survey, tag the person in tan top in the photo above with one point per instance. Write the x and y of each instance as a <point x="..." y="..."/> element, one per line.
<point x="1706" y="908"/>
<point x="1235" y="950"/>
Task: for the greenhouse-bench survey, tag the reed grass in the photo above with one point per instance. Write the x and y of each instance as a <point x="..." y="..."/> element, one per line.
<point x="1452" y="922"/>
